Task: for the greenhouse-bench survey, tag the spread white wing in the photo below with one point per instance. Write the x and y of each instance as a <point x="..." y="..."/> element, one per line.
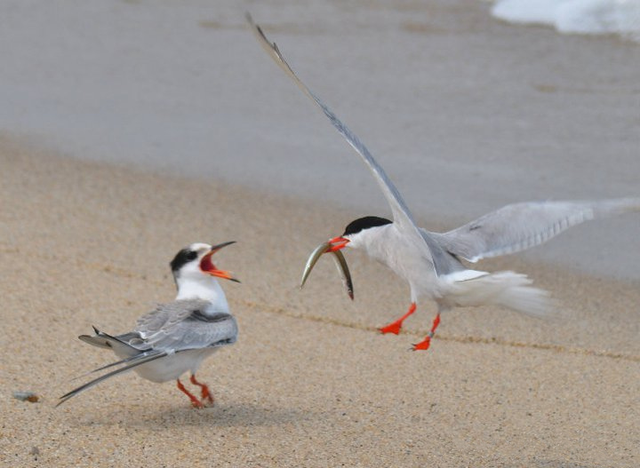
<point x="521" y="226"/>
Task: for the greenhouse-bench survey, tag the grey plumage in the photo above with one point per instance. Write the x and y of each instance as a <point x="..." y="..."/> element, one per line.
<point x="431" y="262"/>
<point x="176" y="327"/>
<point x="402" y="216"/>
<point x="170" y="327"/>
<point x="133" y="362"/>
<point x="521" y="226"/>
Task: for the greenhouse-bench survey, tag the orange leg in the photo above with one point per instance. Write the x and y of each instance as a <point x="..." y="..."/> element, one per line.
<point x="194" y="401"/>
<point x="424" y="344"/>
<point x="397" y="325"/>
<point x="206" y="394"/>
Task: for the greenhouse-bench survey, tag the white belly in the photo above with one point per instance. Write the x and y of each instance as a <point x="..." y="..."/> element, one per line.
<point x="173" y="366"/>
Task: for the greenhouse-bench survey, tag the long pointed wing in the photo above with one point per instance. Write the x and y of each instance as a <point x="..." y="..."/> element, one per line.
<point x="401" y="215"/>
<point x="138" y="361"/>
<point x="521" y="226"/>
<point x="108" y="366"/>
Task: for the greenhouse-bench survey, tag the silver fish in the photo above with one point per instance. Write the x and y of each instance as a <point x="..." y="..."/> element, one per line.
<point x="341" y="264"/>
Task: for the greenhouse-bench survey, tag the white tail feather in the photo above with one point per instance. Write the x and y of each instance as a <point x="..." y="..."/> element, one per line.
<point x="504" y="288"/>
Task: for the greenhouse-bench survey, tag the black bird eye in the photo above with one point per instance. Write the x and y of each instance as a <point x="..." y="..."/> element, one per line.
<point x="192" y="255"/>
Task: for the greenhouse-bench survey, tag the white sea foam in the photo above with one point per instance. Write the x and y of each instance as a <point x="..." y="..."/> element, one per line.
<point x="620" y="17"/>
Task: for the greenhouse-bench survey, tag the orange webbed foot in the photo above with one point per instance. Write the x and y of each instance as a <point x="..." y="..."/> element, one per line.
<point x="394" y="328"/>
<point x="397" y="325"/>
<point x="423" y="345"/>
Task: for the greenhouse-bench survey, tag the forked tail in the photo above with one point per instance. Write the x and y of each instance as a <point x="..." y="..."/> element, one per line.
<point x="504" y="288"/>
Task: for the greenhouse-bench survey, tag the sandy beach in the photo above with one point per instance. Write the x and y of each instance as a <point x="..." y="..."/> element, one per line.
<point x="131" y="129"/>
<point x="310" y="381"/>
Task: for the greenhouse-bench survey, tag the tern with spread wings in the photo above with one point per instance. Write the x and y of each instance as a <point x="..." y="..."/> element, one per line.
<point x="432" y="262"/>
<point x="175" y="337"/>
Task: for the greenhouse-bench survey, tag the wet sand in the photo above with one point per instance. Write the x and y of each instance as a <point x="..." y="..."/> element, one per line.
<point x="310" y="382"/>
<point x="465" y="113"/>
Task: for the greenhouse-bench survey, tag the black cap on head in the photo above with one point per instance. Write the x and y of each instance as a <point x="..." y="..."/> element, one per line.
<point x="183" y="257"/>
<point x="367" y="222"/>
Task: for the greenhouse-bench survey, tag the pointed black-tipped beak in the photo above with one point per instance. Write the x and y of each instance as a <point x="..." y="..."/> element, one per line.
<point x="215" y="248"/>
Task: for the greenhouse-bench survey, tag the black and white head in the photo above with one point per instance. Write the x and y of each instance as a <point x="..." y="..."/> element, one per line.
<point x="193" y="263"/>
<point x="357" y="232"/>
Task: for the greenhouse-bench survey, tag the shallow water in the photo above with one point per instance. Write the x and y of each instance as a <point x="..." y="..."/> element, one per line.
<point x="620" y="17"/>
<point x="466" y="113"/>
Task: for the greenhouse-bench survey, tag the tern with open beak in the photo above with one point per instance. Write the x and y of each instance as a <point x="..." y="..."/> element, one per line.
<point x="432" y="262"/>
<point x="175" y="337"/>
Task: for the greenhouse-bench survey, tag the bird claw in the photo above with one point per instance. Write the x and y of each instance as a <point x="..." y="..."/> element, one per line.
<point x="197" y="404"/>
<point x="206" y="399"/>
<point x="423" y="345"/>
<point x="391" y="328"/>
<point x="395" y="327"/>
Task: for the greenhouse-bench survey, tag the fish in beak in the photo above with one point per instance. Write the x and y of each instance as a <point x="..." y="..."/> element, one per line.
<point x="332" y="246"/>
<point x="207" y="266"/>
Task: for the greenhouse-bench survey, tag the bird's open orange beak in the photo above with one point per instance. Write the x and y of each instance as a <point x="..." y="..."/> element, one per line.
<point x="207" y="265"/>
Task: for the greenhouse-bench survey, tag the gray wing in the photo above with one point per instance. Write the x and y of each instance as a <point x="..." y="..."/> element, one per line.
<point x="402" y="217"/>
<point x="521" y="226"/>
<point x="129" y="340"/>
<point x="186" y="324"/>
<point x="131" y="363"/>
<point x="170" y="328"/>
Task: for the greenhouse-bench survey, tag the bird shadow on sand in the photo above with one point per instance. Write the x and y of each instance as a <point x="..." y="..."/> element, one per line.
<point x="231" y="415"/>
